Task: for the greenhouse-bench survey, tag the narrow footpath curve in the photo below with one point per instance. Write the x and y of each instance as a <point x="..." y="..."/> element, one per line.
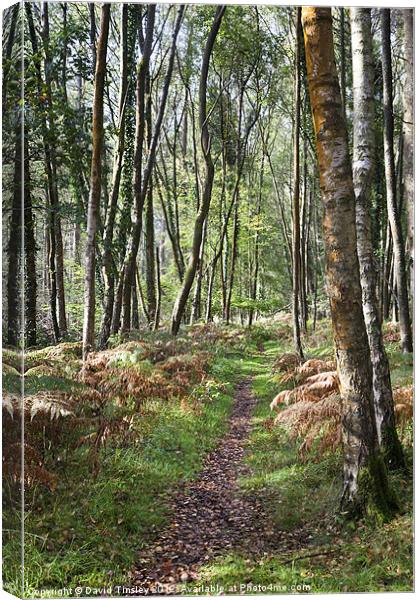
<point x="210" y="515"/>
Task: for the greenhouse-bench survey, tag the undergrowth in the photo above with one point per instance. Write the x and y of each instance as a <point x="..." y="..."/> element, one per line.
<point x="324" y="551"/>
<point x="107" y="447"/>
<point x="111" y="442"/>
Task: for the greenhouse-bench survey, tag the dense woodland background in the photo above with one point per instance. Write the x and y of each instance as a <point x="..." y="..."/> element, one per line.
<point x="194" y="179"/>
<point x="244" y="266"/>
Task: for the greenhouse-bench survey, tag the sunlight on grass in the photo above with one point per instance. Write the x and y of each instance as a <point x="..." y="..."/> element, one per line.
<point x="354" y="557"/>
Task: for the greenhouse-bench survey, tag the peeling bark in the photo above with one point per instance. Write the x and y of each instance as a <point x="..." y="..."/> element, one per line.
<point x="408" y="137"/>
<point x="296" y="193"/>
<point x="363" y="170"/>
<point x="365" y="477"/>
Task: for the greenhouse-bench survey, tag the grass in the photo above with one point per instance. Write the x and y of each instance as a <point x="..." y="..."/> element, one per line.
<point x="88" y="532"/>
<point x="304" y="496"/>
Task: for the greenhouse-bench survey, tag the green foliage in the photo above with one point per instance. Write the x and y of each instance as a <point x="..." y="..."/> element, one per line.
<point x="302" y="498"/>
<point x="89" y="529"/>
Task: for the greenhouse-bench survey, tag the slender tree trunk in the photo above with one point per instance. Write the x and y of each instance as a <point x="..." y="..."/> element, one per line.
<point x="30" y="256"/>
<point x="190" y="272"/>
<point x="92" y="34"/>
<point x="235" y="227"/>
<point x="128" y="274"/>
<point x="150" y="229"/>
<point x="391" y="187"/>
<point x="255" y="273"/>
<point x="386" y="276"/>
<point x="141" y="185"/>
<point x="159" y="291"/>
<point x="296" y="193"/>
<point x="233" y="258"/>
<point x="95" y="182"/>
<point x="343" y="58"/>
<point x="51" y="189"/>
<point x="173" y="235"/>
<point x="53" y="185"/>
<point x="14" y="246"/>
<point x="108" y="267"/>
<point x="150" y="258"/>
<point x="15" y="224"/>
<point x="143" y="302"/>
<point x="303" y="242"/>
<point x="209" y="302"/>
<point x="408" y="135"/>
<point x="365" y="475"/>
<point x="135" y="322"/>
<point x="363" y="169"/>
<point x="196" y="302"/>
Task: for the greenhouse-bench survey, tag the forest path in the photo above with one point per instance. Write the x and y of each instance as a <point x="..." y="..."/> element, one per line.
<point x="211" y="516"/>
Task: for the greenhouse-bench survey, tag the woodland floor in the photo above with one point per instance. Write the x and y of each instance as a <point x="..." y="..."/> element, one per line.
<point x="195" y="490"/>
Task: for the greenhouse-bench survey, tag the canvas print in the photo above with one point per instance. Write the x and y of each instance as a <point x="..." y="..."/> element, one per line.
<point x="207" y="299"/>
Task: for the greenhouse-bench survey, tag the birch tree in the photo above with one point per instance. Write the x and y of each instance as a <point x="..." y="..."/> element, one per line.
<point x="296" y="193"/>
<point x="391" y="185"/>
<point x="363" y="170"/>
<point x="408" y="136"/>
<point x="365" y="476"/>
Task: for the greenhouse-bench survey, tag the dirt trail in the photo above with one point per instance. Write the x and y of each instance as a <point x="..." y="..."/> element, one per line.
<point x="211" y="515"/>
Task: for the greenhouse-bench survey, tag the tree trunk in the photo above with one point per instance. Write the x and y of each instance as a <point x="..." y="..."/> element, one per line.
<point x="208" y="182"/>
<point x="255" y="273"/>
<point x="173" y="235"/>
<point x="141" y="185"/>
<point x="296" y="192"/>
<point x="343" y="58"/>
<point x="14" y="246"/>
<point x="391" y="187"/>
<point x="159" y="291"/>
<point x="304" y="267"/>
<point x="15" y="225"/>
<point x="52" y="175"/>
<point x="108" y="267"/>
<point x="150" y="258"/>
<point x="128" y="274"/>
<point x="95" y="182"/>
<point x="30" y="256"/>
<point x="363" y="169"/>
<point x="150" y="228"/>
<point x="196" y="302"/>
<point x="92" y="34"/>
<point x="135" y="322"/>
<point x="47" y="127"/>
<point x="365" y="475"/>
<point x="408" y="135"/>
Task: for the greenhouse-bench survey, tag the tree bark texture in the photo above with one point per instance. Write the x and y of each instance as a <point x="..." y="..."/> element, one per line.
<point x="363" y="170"/>
<point x="365" y="477"/>
<point x="95" y="182"/>
<point x="408" y="136"/>
<point x="391" y="185"/>
<point x="296" y="193"/>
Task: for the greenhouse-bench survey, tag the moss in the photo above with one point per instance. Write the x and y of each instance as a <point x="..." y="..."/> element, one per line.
<point x="392" y="450"/>
<point x="375" y="497"/>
